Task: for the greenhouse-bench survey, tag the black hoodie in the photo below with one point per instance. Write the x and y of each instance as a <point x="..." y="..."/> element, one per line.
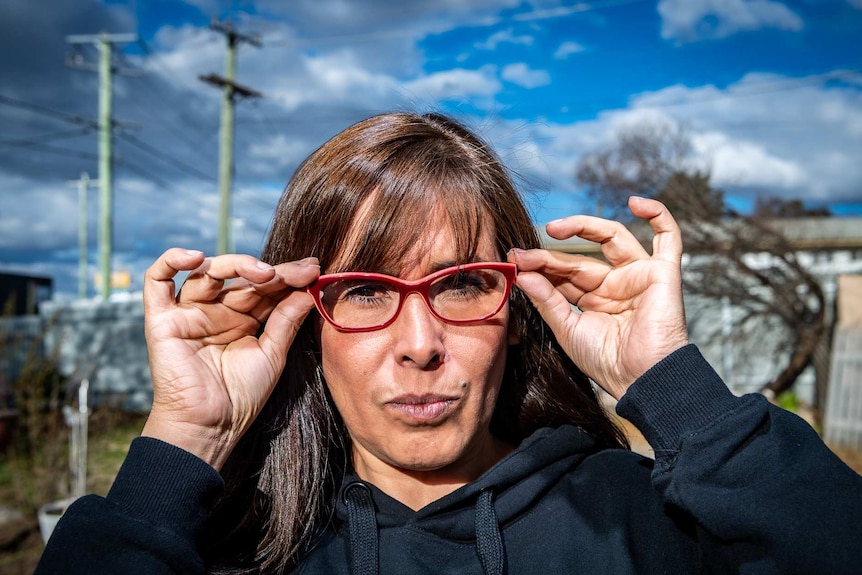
<point x="555" y="505"/>
<point x="737" y="486"/>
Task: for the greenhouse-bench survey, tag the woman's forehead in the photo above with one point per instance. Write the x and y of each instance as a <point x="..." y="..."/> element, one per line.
<point x="429" y="242"/>
<point x="438" y="249"/>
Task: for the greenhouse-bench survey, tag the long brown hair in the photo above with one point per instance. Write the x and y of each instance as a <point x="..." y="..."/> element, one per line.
<point x="378" y="184"/>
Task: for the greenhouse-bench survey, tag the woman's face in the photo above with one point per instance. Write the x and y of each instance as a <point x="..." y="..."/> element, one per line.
<point x="418" y="395"/>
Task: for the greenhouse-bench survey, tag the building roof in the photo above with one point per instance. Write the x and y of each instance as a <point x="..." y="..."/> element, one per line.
<point x="815" y="233"/>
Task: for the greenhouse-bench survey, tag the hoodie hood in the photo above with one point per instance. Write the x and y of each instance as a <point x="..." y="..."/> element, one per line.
<point x="516" y="482"/>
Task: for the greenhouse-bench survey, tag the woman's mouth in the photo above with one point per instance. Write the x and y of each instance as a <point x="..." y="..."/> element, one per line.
<point x="422" y="409"/>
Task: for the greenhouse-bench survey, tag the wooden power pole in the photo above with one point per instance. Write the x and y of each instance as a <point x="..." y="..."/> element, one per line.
<point x="104" y="42"/>
<point x="230" y="92"/>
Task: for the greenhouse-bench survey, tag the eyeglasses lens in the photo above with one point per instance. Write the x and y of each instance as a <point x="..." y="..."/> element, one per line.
<point x="458" y="296"/>
<point x="468" y="295"/>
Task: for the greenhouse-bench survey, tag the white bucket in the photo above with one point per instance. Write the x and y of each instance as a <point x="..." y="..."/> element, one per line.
<point x="49" y="514"/>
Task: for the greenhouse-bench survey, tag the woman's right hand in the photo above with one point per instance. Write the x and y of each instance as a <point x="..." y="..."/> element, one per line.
<point x="211" y="372"/>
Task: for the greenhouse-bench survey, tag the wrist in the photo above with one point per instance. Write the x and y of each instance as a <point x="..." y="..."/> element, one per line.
<point x="209" y="444"/>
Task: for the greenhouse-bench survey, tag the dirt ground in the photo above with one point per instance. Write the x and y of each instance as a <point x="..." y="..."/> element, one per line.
<point x="20" y="546"/>
<point x="852" y="458"/>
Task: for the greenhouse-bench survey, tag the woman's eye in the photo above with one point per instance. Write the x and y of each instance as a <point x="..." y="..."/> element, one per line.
<point x="364" y="292"/>
<point x="465" y="283"/>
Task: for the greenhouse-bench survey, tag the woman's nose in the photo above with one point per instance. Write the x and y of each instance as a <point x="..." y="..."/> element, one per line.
<point x="418" y="334"/>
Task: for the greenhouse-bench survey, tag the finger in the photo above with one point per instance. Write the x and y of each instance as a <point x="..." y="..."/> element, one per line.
<point x="619" y="245"/>
<point x="667" y="242"/>
<point x="206" y="282"/>
<point x="572" y="274"/>
<point x="159" y="278"/>
<point x="259" y="299"/>
<point x="300" y="273"/>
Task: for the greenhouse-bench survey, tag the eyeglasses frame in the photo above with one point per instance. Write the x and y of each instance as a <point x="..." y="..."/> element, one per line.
<point x="420" y="286"/>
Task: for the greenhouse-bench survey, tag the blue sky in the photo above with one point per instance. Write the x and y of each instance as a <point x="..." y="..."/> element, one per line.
<point x="769" y="91"/>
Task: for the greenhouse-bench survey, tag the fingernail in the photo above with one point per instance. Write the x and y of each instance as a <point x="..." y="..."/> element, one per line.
<point x="263" y="266"/>
<point x="309" y="261"/>
<point x="194" y="252"/>
<point x="516" y="251"/>
<point x="554" y="221"/>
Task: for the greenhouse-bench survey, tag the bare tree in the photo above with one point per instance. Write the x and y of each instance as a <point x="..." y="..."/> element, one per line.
<point x="745" y="260"/>
<point x="640" y="162"/>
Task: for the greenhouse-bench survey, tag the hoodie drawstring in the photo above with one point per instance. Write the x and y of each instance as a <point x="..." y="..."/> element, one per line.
<point x="362" y="525"/>
<point x="362" y="528"/>
<point x="489" y="541"/>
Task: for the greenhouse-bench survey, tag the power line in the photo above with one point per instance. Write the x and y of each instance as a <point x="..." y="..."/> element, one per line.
<point x="36" y="140"/>
<point x="38" y="109"/>
<point x="163" y="122"/>
<point x="151" y="177"/>
<point x="156" y="60"/>
<point x="58" y="151"/>
<point x="165" y="158"/>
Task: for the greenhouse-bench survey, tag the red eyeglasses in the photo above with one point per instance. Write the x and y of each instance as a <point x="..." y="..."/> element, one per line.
<point x="360" y="301"/>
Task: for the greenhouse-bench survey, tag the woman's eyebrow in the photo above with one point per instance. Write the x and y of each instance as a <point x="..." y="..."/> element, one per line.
<point x="442" y="265"/>
<point x="436" y="266"/>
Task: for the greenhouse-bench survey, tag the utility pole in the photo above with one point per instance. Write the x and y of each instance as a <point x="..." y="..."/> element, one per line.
<point x="83" y="186"/>
<point x="104" y="42"/>
<point x="230" y="92"/>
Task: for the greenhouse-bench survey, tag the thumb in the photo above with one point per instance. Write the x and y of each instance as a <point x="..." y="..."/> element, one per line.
<point x="283" y="325"/>
<point x="554" y="308"/>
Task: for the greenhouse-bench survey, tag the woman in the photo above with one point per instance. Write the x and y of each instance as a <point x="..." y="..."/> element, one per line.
<point x="434" y="414"/>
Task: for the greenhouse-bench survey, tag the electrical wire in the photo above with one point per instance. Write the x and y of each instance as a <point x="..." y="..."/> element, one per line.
<point x="156" y="60"/>
<point x="165" y="157"/>
<point x="59" y="151"/>
<point x="44" y="138"/>
<point x="45" y="111"/>
<point x="149" y="176"/>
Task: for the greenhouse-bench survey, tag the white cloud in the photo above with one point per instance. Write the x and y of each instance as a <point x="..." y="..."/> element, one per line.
<point x="501" y="37"/>
<point x="765" y="134"/>
<point x="799" y="137"/>
<point x="45" y="213"/>
<point x="566" y="49"/>
<point x="184" y="53"/>
<point x="337" y="76"/>
<point x="522" y="75"/>
<point x="205" y="6"/>
<point x="692" y="20"/>
<point x="739" y="162"/>
<point x="455" y="83"/>
<point x="276" y="152"/>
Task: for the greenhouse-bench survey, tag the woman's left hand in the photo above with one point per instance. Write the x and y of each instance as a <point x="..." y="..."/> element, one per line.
<point x="631" y="309"/>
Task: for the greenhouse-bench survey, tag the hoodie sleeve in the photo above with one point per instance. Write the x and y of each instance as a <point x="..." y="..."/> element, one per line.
<point x="148" y="523"/>
<point x="765" y="492"/>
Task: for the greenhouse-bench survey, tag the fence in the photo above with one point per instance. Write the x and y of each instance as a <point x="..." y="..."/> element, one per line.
<point x="99" y="341"/>
<point x="20" y="338"/>
<point x="843" y="418"/>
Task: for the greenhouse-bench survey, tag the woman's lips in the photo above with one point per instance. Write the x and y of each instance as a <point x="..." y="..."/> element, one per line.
<point x="424" y="409"/>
